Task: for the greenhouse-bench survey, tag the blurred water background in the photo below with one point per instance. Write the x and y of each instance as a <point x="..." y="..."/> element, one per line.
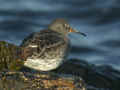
<point x="99" y="19"/>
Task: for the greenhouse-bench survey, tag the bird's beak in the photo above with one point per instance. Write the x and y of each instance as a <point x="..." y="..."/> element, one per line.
<point x="75" y="31"/>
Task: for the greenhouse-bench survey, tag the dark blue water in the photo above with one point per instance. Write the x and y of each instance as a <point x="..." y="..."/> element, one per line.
<point x="99" y="19"/>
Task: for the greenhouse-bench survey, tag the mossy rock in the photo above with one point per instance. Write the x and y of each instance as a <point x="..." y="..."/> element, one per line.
<point x="10" y="57"/>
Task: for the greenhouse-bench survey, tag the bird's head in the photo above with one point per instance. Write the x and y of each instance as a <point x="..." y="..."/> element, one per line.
<point x="61" y="26"/>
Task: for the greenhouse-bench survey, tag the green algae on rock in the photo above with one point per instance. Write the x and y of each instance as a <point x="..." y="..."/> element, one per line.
<point x="9" y="57"/>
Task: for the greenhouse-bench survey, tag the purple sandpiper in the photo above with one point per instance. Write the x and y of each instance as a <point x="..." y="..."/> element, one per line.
<point x="47" y="49"/>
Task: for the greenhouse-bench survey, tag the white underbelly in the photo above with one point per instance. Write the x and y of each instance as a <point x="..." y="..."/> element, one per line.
<point x="43" y="65"/>
<point x="48" y="63"/>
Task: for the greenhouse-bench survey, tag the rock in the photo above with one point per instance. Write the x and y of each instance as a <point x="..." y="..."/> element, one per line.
<point x="14" y="76"/>
<point x="96" y="77"/>
<point x="39" y="81"/>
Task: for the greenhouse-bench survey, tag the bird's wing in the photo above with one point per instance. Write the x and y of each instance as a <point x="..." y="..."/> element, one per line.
<point x="50" y="39"/>
<point x="43" y="40"/>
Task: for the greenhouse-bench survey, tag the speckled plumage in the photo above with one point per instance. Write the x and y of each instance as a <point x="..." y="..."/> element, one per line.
<point x="46" y="50"/>
<point x="49" y="50"/>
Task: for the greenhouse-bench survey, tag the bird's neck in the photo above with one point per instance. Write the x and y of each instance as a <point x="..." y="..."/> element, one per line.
<point x="65" y="36"/>
<point x="61" y="34"/>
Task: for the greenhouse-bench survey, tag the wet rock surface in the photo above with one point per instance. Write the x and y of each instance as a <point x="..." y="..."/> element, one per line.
<point x="72" y="75"/>
<point x="96" y="77"/>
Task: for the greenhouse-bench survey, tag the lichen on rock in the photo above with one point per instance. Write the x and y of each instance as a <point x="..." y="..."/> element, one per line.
<point x="40" y="81"/>
<point x="9" y="56"/>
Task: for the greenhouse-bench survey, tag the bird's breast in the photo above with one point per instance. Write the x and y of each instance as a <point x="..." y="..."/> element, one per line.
<point x="42" y="64"/>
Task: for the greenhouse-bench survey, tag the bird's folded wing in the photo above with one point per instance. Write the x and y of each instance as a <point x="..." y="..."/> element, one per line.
<point x="50" y="40"/>
<point x="43" y="40"/>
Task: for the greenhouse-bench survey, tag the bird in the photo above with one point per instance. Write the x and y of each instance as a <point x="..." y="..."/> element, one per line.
<point x="49" y="48"/>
